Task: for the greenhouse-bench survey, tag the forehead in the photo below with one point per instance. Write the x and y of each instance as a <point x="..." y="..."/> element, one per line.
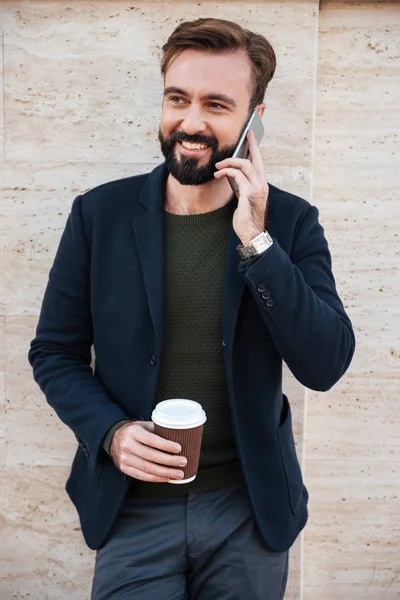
<point x="202" y="73"/>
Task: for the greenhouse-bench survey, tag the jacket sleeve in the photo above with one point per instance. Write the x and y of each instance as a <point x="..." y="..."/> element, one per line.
<point x="301" y="308"/>
<point x="60" y="354"/>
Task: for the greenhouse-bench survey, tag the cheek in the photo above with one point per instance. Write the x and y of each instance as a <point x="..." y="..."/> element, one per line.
<point x="168" y="122"/>
<point x="226" y="133"/>
<point x="225" y="141"/>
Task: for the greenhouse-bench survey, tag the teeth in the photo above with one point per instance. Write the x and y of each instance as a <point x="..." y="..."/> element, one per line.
<point x="194" y="146"/>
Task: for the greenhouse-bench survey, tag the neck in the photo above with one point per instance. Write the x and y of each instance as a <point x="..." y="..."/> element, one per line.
<point x="196" y="199"/>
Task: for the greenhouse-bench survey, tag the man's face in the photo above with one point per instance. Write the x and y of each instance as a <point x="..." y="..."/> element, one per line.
<point x="205" y="107"/>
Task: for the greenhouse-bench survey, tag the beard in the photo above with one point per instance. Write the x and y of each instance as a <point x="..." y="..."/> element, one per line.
<point x="185" y="169"/>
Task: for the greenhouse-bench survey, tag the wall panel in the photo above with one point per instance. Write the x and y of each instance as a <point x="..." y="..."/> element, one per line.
<point x="351" y="545"/>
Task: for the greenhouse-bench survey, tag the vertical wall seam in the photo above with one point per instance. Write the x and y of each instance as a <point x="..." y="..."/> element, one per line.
<point x="3" y="102"/>
<point x="306" y="391"/>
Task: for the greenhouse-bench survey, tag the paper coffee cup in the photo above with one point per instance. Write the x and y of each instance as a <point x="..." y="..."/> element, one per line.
<point x="181" y="421"/>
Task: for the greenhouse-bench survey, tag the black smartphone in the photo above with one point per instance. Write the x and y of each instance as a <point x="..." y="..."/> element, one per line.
<point x="242" y="149"/>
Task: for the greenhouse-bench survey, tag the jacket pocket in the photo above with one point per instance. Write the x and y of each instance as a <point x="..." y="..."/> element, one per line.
<point x="291" y="466"/>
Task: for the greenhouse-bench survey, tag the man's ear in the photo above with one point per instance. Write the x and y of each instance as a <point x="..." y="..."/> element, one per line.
<point x="260" y="108"/>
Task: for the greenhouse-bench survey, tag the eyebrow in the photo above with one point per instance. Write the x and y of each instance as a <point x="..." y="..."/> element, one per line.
<point x="221" y="97"/>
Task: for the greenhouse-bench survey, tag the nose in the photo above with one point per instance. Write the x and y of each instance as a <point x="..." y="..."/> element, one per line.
<point x="193" y="121"/>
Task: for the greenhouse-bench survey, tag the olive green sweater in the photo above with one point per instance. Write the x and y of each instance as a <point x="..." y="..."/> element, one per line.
<point x="192" y="361"/>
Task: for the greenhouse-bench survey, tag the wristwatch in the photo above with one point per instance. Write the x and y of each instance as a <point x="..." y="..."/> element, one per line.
<point x="256" y="246"/>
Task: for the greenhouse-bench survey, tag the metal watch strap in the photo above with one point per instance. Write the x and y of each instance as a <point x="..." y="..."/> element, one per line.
<point x="256" y="246"/>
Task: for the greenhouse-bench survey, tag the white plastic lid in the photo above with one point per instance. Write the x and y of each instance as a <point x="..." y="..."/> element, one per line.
<point x="178" y="413"/>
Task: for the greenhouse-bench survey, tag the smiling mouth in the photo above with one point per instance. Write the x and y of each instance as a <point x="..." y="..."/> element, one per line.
<point x="194" y="146"/>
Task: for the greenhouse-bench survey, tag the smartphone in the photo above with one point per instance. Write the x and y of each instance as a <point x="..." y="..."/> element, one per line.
<point x="242" y="149"/>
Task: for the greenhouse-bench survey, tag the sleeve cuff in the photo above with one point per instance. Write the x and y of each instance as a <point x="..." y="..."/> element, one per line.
<point x="108" y="439"/>
<point x="246" y="263"/>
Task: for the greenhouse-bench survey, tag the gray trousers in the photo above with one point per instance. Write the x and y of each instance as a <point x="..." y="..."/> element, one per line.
<point x="197" y="547"/>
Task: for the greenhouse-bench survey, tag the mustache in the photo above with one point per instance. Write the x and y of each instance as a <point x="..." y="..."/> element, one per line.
<point x="198" y="138"/>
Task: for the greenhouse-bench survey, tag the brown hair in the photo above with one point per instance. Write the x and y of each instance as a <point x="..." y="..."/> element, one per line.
<point x="218" y="35"/>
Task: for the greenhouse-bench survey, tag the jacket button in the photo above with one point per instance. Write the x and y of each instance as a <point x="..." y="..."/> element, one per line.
<point x="261" y="287"/>
<point x="266" y="295"/>
<point x="270" y="302"/>
<point x="153" y="360"/>
<point x="223" y="342"/>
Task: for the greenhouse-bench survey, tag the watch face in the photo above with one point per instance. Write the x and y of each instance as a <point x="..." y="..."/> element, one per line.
<point x="259" y="245"/>
<point x="262" y="243"/>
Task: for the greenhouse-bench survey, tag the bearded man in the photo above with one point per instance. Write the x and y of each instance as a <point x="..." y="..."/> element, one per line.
<point x="187" y="290"/>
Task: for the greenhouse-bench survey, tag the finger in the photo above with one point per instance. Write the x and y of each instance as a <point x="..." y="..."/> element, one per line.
<point x="238" y="163"/>
<point x="255" y="155"/>
<point x="242" y="165"/>
<point x="238" y="176"/>
<point x="155" y="456"/>
<point x="155" y="441"/>
<point x="142" y="476"/>
<point x="153" y="469"/>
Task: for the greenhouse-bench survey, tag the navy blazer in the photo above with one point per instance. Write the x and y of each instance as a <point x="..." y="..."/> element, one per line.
<point x="106" y="289"/>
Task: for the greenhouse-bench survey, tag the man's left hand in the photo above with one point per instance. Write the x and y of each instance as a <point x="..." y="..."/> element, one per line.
<point x="249" y="217"/>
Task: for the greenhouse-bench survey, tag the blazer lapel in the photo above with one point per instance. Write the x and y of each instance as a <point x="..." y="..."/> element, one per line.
<point x="149" y="231"/>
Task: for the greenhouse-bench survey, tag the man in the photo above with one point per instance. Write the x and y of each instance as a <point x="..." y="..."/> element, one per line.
<point x="186" y="290"/>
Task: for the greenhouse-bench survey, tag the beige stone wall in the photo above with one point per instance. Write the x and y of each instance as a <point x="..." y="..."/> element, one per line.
<point x="79" y="105"/>
<point x="352" y="546"/>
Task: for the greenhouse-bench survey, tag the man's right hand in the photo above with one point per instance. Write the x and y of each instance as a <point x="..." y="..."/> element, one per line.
<point x="138" y="452"/>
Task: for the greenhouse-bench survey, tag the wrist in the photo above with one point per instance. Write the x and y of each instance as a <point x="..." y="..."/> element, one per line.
<point x="110" y="435"/>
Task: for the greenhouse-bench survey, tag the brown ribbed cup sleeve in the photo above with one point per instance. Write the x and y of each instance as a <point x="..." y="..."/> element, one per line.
<point x="190" y="441"/>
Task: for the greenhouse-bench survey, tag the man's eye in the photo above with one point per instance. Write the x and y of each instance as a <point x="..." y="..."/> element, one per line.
<point x="175" y="99"/>
<point x="215" y="105"/>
